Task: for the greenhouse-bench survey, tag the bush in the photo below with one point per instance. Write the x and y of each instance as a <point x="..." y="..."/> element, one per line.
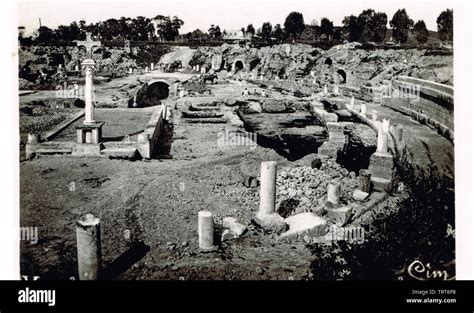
<point x="417" y="230"/>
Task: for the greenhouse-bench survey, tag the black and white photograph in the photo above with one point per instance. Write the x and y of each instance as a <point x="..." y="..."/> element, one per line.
<point x="241" y="141"/>
<point x="180" y="146"/>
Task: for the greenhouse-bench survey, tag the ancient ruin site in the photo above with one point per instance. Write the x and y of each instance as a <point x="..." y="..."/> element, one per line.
<point x="298" y="151"/>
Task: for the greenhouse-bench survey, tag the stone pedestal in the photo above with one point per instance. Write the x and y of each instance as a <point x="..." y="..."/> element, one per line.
<point x="89" y="133"/>
<point x="381" y="167"/>
<point x="89" y="255"/>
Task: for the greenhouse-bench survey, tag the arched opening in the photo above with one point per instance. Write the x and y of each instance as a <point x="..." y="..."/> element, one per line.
<point x="238" y="66"/>
<point x="342" y="76"/>
<point x="150" y="95"/>
<point x="158" y="91"/>
<point x="328" y="61"/>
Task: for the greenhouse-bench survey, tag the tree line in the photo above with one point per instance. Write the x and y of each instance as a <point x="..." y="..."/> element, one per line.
<point x="368" y="26"/>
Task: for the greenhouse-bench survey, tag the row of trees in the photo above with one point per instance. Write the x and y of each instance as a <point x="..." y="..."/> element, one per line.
<point x="137" y="29"/>
<point x="367" y="26"/>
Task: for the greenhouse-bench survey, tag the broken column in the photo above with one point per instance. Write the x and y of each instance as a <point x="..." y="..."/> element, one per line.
<point x="382" y="139"/>
<point x="363" y="109"/>
<point x="374" y="115"/>
<point x="364" y="180"/>
<point x="363" y="190"/>
<point x="266" y="215"/>
<point x="152" y="66"/>
<point x="336" y="212"/>
<point x="381" y="164"/>
<point x="325" y="90"/>
<point x="89" y="255"/>
<point x="334" y="193"/>
<point x="336" y="90"/>
<point x="206" y="230"/>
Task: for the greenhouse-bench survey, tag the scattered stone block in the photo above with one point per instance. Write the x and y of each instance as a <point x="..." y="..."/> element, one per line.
<point x="359" y="195"/>
<point x="271" y="222"/>
<point x="305" y="224"/>
<point x="381" y="184"/>
<point x="340" y="216"/>
<point x="234" y="226"/>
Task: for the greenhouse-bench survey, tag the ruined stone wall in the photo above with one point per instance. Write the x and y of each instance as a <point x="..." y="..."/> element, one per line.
<point x="427" y="102"/>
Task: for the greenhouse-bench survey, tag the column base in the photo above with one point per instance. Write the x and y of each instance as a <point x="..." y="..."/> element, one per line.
<point x="89" y="133"/>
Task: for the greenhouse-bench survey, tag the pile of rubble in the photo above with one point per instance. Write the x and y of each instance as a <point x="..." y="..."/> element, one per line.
<point x="302" y="189"/>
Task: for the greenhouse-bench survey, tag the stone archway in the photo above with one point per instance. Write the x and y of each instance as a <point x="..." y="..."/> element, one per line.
<point x="238" y="65"/>
<point x="328" y="61"/>
<point x="151" y="94"/>
<point x="342" y="76"/>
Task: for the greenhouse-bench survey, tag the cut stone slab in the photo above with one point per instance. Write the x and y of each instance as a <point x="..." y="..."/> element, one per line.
<point x="128" y="153"/>
<point x="305" y="224"/>
<point x="381" y="184"/>
<point x="228" y="235"/>
<point x="359" y="195"/>
<point x="271" y="222"/>
<point x="234" y="226"/>
<point x="87" y="150"/>
<point x="340" y="216"/>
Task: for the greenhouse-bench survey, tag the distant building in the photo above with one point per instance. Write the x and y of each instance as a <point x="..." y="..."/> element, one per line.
<point x="236" y="35"/>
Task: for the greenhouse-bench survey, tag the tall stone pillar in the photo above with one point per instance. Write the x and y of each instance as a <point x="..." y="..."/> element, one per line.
<point x="382" y="140"/>
<point x="266" y="216"/>
<point x="89" y="109"/>
<point x="89" y="255"/>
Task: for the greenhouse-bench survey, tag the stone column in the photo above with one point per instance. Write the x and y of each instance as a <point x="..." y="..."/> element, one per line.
<point x="267" y="187"/>
<point x="382" y="139"/>
<point x="206" y="230"/>
<point x="152" y="66"/>
<point x="89" y="255"/>
<point x="325" y="90"/>
<point x="363" y="109"/>
<point x="374" y="115"/>
<point x="385" y="125"/>
<point x="336" y="90"/>
<point x="352" y="102"/>
<point x="89" y="109"/>
<point x="364" y="180"/>
<point x="334" y="191"/>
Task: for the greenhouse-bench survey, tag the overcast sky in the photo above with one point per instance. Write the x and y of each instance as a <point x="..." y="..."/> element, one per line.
<point x="229" y="14"/>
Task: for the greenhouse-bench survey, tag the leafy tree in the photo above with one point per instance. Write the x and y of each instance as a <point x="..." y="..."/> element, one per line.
<point x="420" y="31"/>
<point x="278" y="33"/>
<point x="401" y="24"/>
<point x="217" y="32"/>
<point x="327" y="27"/>
<point x="294" y="25"/>
<point x="353" y="27"/>
<point x="250" y="30"/>
<point x="373" y="25"/>
<point x="45" y="35"/>
<point x="445" y="25"/>
<point x="167" y="27"/>
<point x="266" y="31"/>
